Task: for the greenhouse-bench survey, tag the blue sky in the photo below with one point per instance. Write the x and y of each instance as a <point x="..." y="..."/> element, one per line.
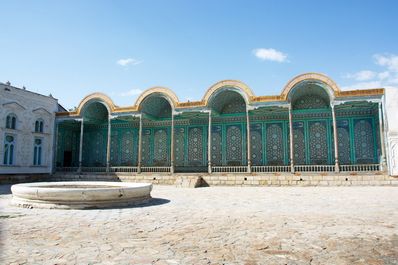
<point x="73" y="48"/>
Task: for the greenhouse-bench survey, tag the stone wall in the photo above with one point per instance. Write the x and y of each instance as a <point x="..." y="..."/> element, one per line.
<point x="22" y="178"/>
<point x="363" y="179"/>
<point x="391" y="128"/>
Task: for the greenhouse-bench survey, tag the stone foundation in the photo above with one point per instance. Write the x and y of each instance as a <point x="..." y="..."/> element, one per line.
<point x="22" y="178"/>
<point x="192" y="180"/>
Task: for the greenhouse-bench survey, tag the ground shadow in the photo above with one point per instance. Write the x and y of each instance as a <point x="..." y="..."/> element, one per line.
<point x="147" y="203"/>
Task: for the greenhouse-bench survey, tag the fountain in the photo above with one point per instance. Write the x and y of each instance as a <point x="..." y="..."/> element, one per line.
<point x="79" y="194"/>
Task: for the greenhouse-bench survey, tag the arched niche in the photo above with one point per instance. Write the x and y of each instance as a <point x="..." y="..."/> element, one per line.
<point x="310" y="95"/>
<point x="312" y="130"/>
<point x="157" y="106"/>
<point x="227" y="101"/>
<point x="228" y="132"/>
<point x="95" y="112"/>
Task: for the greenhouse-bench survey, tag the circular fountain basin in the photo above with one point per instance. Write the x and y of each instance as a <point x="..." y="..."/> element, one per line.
<point x="80" y="194"/>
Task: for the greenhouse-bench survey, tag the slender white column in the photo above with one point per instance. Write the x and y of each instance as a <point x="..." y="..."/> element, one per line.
<point x="81" y="146"/>
<point x="291" y="139"/>
<point x="139" y="145"/>
<point x="249" y="162"/>
<point x="335" y="140"/>
<point x="55" y="150"/>
<point x="382" y="147"/>
<point x="108" y="145"/>
<point x="172" y="144"/>
<point x="209" y="145"/>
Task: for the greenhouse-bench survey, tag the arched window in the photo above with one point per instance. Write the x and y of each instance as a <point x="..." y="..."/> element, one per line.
<point x="37" y="152"/>
<point x="11" y="121"/>
<point x="39" y="124"/>
<point x="9" y="144"/>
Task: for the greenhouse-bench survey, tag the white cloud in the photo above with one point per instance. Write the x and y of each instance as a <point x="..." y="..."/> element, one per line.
<point x="362" y="75"/>
<point x="389" y="60"/>
<point x="132" y="92"/>
<point x="270" y="55"/>
<point x="387" y="76"/>
<point x="362" y="85"/>
<point x="383" y="75"/>
<point x="128" y="61"/>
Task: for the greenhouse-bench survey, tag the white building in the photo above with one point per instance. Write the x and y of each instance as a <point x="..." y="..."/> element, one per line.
<point x="27" y="122"/>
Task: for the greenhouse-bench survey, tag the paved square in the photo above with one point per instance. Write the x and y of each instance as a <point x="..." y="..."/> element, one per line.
<point x="216" y="225"/>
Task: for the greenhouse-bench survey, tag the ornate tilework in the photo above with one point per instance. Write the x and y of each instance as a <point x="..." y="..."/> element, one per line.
<point x="318" y="144"/>
<point x="234" y="145"/>
<point x="195" y="144"/>
<point x="128" y="156"/>
<point x="161" y="154"/>
<point x="274" y="143"/>
<point x="179" y="146"/>
<point x="364" y="142"/>
<point x="256" y="143"/>
<point x="146" y="148"/>
<point x="299" y="143"/>
<point x="344" y="143"/>
<point x="309" y="102"/>
<point x="216" y="145"/>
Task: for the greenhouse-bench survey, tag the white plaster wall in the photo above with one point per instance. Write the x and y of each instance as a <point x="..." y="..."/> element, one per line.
<point x="28" y="107"/>
<point x="391" y="127"/>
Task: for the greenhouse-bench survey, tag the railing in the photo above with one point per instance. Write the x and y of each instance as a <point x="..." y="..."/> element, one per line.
<point x="314" y="168"/>
<point x="271" y="169"/>
<point x="93" y="169"/>
<point x="363" y="167"/>
<point x="123" y="169"/>
<point x="229" y="169"/>
<point x="155" y="169"/>
<point x="67" y="169"/>
<point x="233" y="169"/>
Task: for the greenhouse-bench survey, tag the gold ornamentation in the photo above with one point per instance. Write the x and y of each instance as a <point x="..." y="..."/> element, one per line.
<point x="168" y="93"/>
<point x="243" y="88"/>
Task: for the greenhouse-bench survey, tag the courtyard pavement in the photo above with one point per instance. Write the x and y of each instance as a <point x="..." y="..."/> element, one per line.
<point x="215" y="225"/>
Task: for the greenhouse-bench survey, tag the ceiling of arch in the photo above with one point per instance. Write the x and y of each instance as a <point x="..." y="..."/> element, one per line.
<point x="95" y="112"/>
<point x="228" y="101"/>
<point x="309" y="96"/>
<point x="156" y="106"/>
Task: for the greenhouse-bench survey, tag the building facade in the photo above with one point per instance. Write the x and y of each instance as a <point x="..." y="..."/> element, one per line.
<point x="27" y="123"/>
<point x="312" y="126"/>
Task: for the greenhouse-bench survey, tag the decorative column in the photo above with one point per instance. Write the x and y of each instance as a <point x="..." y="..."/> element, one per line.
<point x="209" y="145"/>
<point x="139" y="145"/>
<point x="291" y="139"/>
<point x="382" y="147"/>
<point x="172" y="144"/>
<point x="79" y="170"/>
<point x="55" y="147"/>
<point x="249" y="162"/>
<point x="108" y="145"/>
<point x="335" y="140"/>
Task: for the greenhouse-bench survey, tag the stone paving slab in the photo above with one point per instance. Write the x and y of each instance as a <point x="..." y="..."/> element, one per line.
<point x="215" y="225"/>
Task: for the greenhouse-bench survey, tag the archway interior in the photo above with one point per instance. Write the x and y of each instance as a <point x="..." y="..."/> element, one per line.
<point x="312" y="127"/>
<point x="156" y="132"/>
<point x="227" y="102"/>
<point x="156" y="107"/>
<point x="228" y="139"/>
<point x="95" y="118"/>
<point x="308" y="96"/>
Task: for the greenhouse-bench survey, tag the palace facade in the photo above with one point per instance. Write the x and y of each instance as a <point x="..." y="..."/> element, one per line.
<point x="312" y="126"/>
<point x="27" y="123"/>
